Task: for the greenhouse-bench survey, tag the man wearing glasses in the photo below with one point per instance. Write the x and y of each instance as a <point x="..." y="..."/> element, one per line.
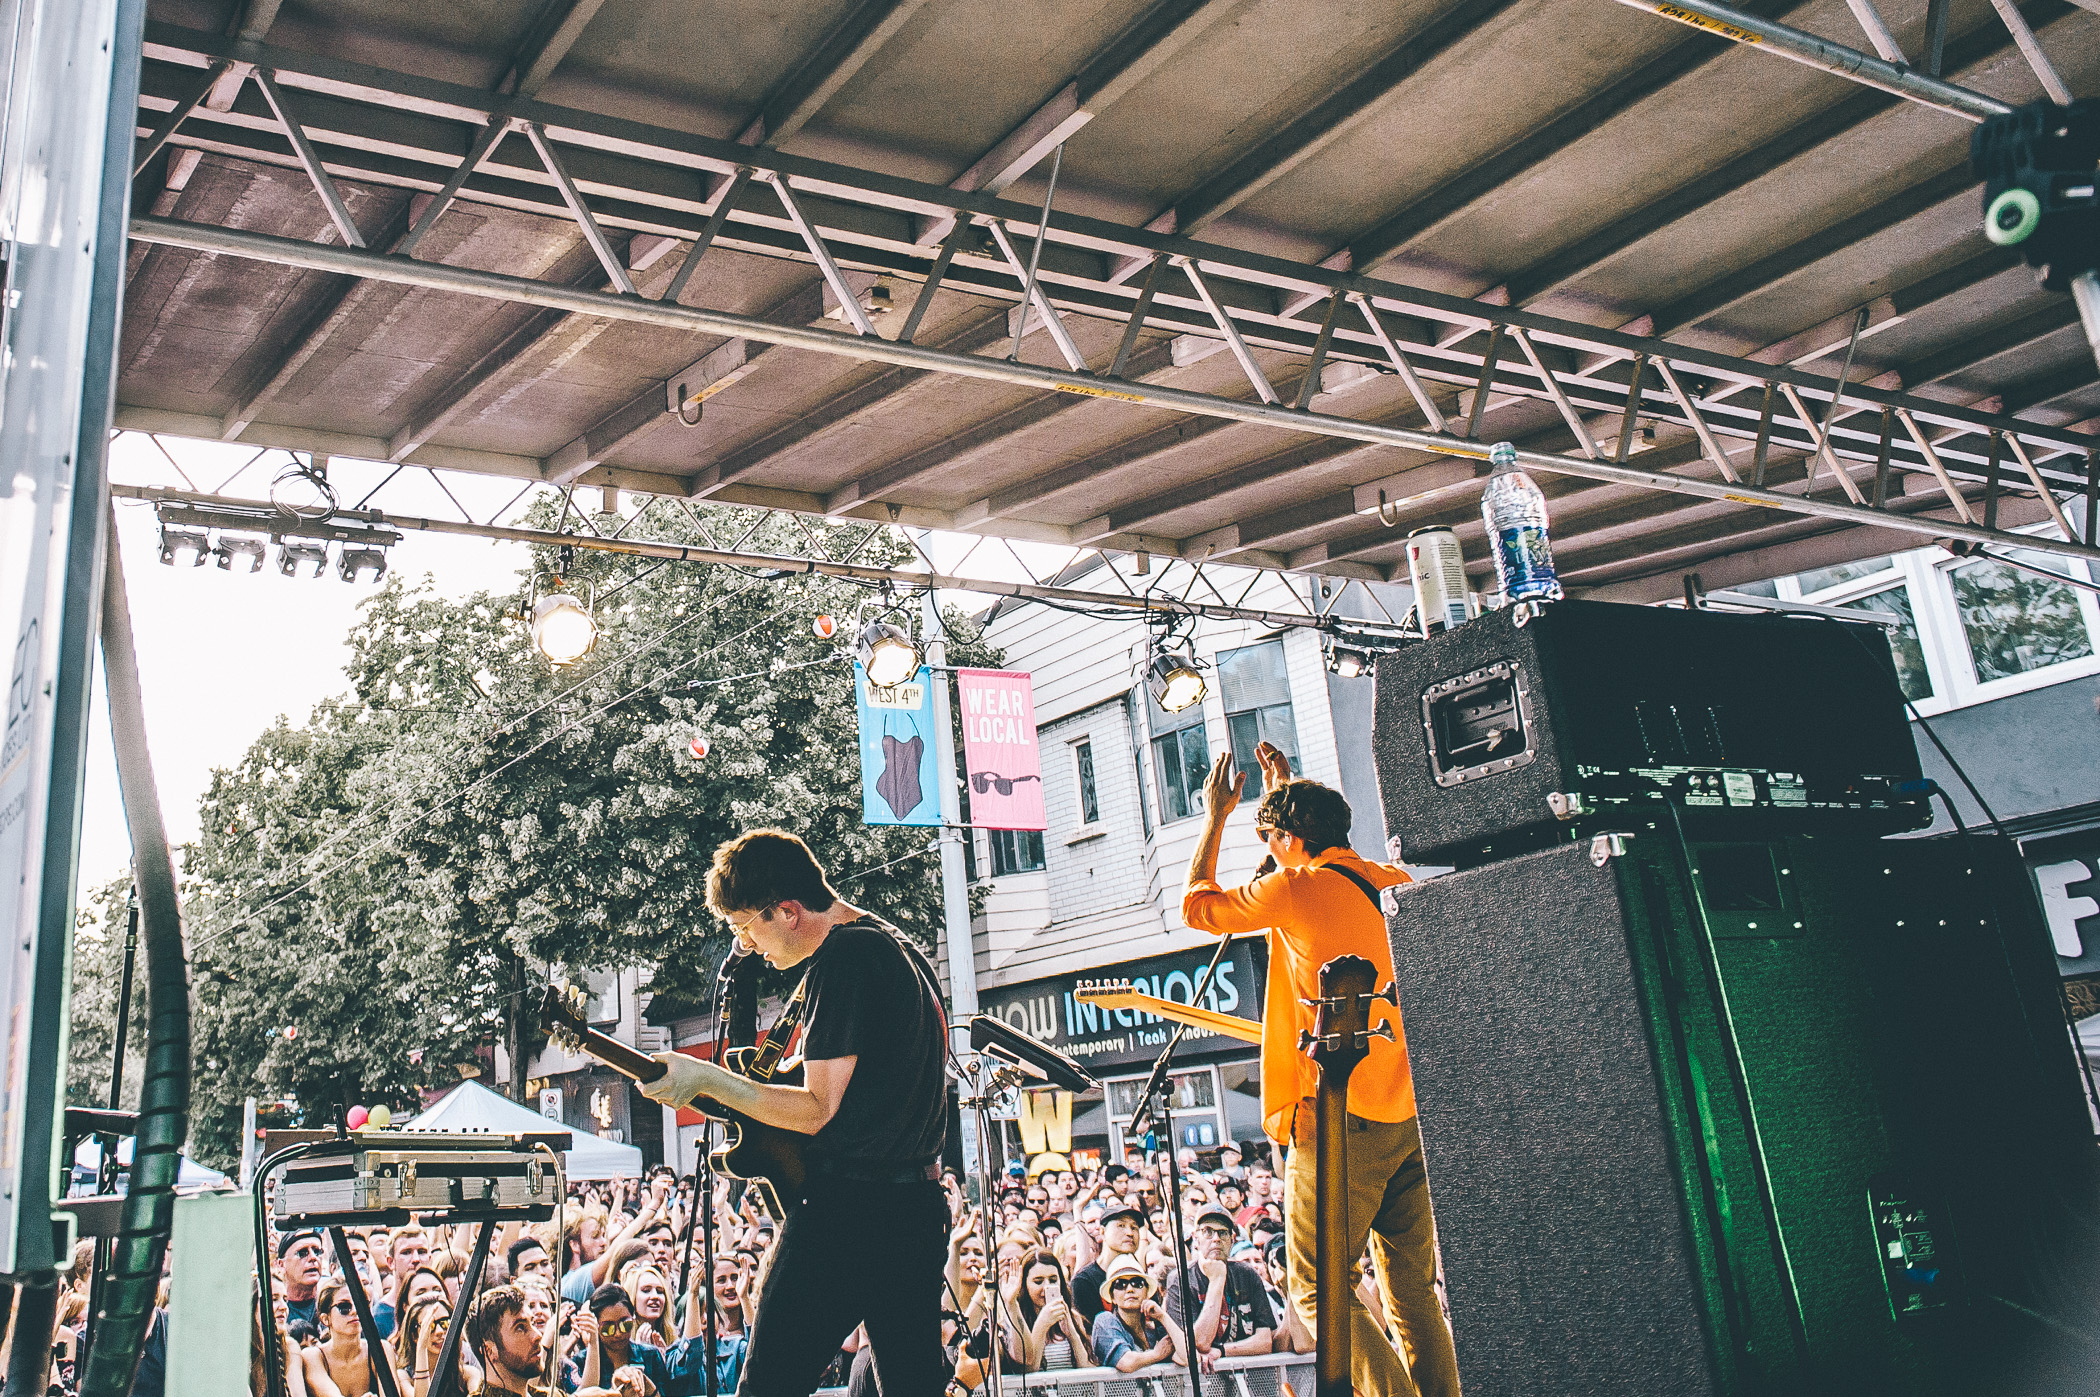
<point x="1232" y="1309"/>
<point x="1317" y="899"/>
<point x="873" y="1102"/>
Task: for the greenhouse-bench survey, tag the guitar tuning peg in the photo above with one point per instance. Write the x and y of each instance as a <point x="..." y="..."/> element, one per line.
<point x="1305" y="1040"/>
<point x="1389" y="995"/>
<point x="1384" y="1030"/>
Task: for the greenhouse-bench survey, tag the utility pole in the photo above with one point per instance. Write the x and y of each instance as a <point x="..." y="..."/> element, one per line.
<point x="955" y="886"/>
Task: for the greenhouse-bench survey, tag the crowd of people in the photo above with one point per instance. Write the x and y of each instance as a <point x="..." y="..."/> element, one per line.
<point x="612" y="1300"/>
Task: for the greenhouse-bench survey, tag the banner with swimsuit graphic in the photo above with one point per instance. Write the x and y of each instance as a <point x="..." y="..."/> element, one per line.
<point x="999" y="748"/>
<point x="898" y="780"/>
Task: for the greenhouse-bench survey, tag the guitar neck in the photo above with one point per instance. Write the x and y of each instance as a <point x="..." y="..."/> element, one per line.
<point x="626" y="1061"/>
<point x="1230" y="1025"/>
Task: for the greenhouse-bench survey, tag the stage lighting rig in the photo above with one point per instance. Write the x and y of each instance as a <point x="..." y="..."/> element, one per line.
<point x="888" y="654"/>
<point x="562" y="628"/>
<point x="195" y="542"/>
<point x="353" y="561"/>
<point x="292" y="554"/>
<point x="230" y="548"/>
<point x="1174" y="675"/>
<point x="2039" y="166"/>
<point x="1349" y="661"/>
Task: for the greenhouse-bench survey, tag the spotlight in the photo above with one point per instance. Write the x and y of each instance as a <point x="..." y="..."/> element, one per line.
<point x="886" y="652"/>
<point x="1348" y="661"/>
<point x="250" y="548"/>
<point x="356" y="560"/>
<point x="192" y="541"/>
<point x="292" y="554"/>
<point x="1175" y="678"/>
<point x="561" y="629"/>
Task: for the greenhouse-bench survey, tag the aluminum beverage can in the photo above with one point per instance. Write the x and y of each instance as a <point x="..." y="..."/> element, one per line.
<point x="1438" y="571"/>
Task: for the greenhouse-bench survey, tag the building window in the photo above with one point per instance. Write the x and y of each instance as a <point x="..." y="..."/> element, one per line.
<point x="1016" y="851"/>
<point x="2016" y="622"/>
<point x="1967" y="630"/>
<point x="1180" y="759"/>
<point x="1909" y="651"/>
<point x="1089" y="797"/>
<point x="1257" y="693"/>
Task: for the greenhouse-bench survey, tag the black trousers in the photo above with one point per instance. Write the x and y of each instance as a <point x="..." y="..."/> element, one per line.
<point x="853" y="1253"/>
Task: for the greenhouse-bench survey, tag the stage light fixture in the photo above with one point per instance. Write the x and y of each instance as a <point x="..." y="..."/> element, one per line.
<point x="1348" y="661"/>
<point x="1175" y="677"/>
<point x="356" y="560"/>
<point x="292" y="554"/>
<point x="250" y="548"/>
<point x="562" y="629"/>
<point x="887" y="653"/>
<point x="195" y="542"/>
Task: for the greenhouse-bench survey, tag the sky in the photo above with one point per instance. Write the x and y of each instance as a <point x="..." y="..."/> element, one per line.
<point x="222" y="653"/>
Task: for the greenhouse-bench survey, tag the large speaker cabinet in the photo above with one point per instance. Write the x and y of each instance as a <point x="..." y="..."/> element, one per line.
<point x="1787" y="1117"/>
<point x="1513" y="730"/>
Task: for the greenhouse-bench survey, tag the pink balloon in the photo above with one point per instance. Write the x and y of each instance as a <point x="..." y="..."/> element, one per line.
<point x="357" y="1117"/>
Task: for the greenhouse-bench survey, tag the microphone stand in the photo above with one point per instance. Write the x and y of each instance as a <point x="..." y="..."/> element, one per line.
<point x="1154" y="1101"/>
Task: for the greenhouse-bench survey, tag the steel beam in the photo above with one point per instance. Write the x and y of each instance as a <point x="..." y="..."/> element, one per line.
<point x="501" y="287"/>
<point x="1328" y="121"/>
<point x="615" y="148"/>
<point x="795" y="101"/>
<point x="1748" y="29"/>
<point x="551" y="38"/>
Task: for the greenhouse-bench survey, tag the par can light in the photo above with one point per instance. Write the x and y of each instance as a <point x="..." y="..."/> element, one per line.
<point x="887" y="653"/>
<point x="561" y="629"/>
<point x="1175" y="679"/>
<point x="1349" y="662"/>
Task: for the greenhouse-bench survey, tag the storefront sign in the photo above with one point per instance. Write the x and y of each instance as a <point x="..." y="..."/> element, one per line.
<point x="2066" y="870"/>
<point x="1006" y="769"/>
<point x="1112" y="1040"/>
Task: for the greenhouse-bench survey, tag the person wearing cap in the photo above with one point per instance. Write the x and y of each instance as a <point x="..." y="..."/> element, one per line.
<point x="299" y="1263"/>
<point x="1316" y="899"/>
<point x="1132" y="1331"/>
<point x="1233" y="1319"/>
<point x="1121" y="1231"/>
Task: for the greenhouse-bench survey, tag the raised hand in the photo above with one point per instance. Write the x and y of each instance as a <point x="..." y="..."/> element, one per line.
<point x="1275" y="766"/>
<point x="1222" y="787"/>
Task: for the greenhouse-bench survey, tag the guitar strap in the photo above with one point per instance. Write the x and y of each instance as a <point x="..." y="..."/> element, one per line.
<point x="1363" y="884"/>
<point x="761" y="1068"/>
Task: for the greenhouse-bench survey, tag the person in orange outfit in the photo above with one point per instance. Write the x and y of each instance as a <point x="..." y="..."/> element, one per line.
<point x="1321" y="900"/>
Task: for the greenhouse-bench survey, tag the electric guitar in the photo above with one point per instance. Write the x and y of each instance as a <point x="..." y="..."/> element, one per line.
<point x="1117" y="994"/>
<point x="765" y="1154"/>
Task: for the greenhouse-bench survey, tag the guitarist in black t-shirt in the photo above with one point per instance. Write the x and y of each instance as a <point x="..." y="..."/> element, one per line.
<point x="866" y="1240"/>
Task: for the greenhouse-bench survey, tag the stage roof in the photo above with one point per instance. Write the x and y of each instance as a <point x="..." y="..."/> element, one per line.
<point x="1305" y="259"/>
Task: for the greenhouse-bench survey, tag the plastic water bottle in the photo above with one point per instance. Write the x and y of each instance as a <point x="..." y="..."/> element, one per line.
<point x="1514" y="509"/>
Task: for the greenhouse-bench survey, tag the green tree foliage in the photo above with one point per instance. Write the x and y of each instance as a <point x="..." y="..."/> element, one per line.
<point x="392" y="879"/>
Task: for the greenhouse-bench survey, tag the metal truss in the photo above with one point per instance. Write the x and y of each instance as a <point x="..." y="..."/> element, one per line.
<point x="212" y="523"/>
<point x="603" y="173"/>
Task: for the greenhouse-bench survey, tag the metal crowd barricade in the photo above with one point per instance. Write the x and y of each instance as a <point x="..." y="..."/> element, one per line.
<point x="1247" y="1377"/>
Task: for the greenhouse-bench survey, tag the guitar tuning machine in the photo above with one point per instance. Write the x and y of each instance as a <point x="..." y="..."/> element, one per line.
<point x="1384" y="1030"/>
<point x="1389" y="995"/>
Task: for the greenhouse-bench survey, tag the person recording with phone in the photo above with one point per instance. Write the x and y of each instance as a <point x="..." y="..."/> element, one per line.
<point x="1045" y="1334"/>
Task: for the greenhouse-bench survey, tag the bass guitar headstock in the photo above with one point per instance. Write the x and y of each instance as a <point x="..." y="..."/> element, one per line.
<point x="1341" y="1034"/>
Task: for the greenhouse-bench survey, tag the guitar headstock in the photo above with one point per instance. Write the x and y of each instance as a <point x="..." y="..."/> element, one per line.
<point x="564" y="1017"/>
<point x="1104" y="993"/>
<point x="1341" y="1034"/>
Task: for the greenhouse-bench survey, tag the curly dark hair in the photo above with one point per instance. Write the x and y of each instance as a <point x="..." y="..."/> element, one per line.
<point x="1315" y="813"/>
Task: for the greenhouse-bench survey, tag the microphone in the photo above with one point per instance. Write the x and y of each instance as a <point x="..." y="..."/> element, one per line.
<point x="732" y="963"/>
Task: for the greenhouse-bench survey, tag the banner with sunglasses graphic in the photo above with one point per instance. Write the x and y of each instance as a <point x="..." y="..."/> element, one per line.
<point x="999" y="749"/>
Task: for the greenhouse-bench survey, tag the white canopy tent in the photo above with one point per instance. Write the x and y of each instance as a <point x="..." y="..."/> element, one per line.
<point x="471" y="1106"/>
<point x="88" y="1157"/>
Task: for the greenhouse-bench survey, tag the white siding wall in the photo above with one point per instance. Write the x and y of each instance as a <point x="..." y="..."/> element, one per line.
<point x="1109" y="893"/>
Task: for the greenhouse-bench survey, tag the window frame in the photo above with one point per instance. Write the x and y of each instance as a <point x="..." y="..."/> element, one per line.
<point x="995" y="861"/>
<point x="1086" y="781"/>
<point x="1289" y="703"/>
<point x="1942" y="636"/>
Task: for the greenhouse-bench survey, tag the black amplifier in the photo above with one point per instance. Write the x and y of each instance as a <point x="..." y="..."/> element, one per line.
<point x="1527" y="725"/>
